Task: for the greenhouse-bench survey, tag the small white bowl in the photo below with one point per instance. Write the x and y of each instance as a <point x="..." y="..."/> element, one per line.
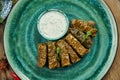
<point x="53" y="24"/>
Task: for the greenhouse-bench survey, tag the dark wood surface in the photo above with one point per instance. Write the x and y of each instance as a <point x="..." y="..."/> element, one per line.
<point x="114" y="71"/>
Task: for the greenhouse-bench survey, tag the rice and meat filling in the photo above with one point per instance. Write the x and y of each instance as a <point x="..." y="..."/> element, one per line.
<point x="73" y="55"/>
<point x="84" y="26"/>
<point x="80" y="36"/>
<point x="42" y="54"/>
<point x="78" y="47"/>
<point x="52" y="56"/>
<point x="64" y="56"/>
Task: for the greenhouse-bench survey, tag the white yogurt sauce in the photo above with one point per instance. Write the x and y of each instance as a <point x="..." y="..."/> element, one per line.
<point x="53" y="25"/>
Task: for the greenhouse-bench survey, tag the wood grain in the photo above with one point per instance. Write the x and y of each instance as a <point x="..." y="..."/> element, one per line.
<point x="114" y="71"/>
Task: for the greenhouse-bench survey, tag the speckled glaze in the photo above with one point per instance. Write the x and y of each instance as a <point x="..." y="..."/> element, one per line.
<point x="21" y="38"/>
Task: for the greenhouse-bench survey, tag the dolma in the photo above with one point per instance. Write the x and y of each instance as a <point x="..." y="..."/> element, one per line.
<point x="79" y="48"/>
<point x="42" y="54"/>
<point x="64" y="56"/>
<point x="84" y="26"/>
<point x="73" y="55"/>
<point x="80" y="36"/>
<point x="52" y="56"/>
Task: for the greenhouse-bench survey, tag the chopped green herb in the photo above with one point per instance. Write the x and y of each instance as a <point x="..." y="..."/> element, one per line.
<point x="89" y="33"/>
<point x="58" y="53"/>
<point x="58" y="49"/>
<point x="58" y="58"/>
<point x="86" y="36"/>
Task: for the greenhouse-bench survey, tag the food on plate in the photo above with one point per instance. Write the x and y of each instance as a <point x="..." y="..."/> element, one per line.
<point x="65" y="60"/>
<point x="79" y="48"/>
<point x="84" y="26"/>
<point x="81" y="37"/>
<point x="52" y="60"/>
<point x="42" y="54"/>
<point x="69" y="49"/>
<point x="73" y="55"/>
<point x="53" y="20"/>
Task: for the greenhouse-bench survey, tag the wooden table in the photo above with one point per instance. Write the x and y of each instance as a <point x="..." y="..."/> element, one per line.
<point x="114" y="71"/>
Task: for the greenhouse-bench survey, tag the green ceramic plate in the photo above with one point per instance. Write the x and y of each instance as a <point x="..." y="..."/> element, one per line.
<point x="21" y="38"/>
<point x="5" y="6"/>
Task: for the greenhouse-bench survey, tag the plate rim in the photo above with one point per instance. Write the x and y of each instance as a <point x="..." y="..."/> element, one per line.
<point x="108" y="63"/>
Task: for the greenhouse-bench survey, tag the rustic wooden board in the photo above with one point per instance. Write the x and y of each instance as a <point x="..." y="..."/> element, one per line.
<point x="113" y="73"/>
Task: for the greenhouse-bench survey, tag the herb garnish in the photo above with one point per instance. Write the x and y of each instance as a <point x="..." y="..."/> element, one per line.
<point x="86" y="36"/>
<point x="58" y="53"/>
